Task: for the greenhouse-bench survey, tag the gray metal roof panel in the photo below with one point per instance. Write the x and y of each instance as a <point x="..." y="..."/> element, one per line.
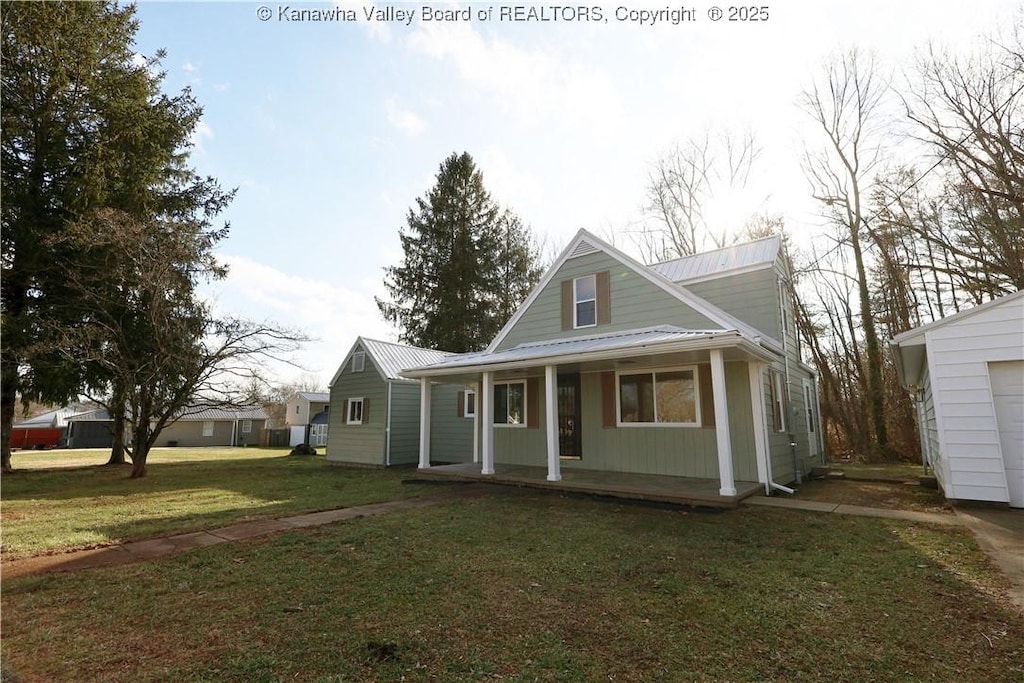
<point x="762" y="252"/>
<point x="573" y="345"/>
<point x="392" y="358"/>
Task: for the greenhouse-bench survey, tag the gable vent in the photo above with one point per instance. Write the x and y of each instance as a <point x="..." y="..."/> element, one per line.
<point x="582" y="249"/>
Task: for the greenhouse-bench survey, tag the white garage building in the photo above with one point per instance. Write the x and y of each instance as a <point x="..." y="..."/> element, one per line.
<point x="967" y="373"/>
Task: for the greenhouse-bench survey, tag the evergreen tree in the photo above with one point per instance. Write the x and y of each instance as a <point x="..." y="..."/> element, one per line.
<point x="467" y="265"/>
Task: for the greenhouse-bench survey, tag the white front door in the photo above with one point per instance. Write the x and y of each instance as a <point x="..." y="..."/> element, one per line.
<point x="1007" y="379"/>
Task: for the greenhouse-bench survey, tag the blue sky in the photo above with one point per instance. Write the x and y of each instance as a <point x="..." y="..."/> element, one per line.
<point x="330" y="130"/>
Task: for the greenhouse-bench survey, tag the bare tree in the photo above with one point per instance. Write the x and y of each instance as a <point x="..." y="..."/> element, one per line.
<point x="680" y="190"/>
<point x="846" y="105"/>
<point x="970" y="112"/>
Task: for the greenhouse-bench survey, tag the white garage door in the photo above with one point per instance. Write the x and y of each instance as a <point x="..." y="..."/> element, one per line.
<point x="1008" y="395"/>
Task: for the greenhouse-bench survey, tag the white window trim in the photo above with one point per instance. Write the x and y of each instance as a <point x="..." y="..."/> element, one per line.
<point x="361" y="366"/>
<point x="469" y="409"/>
<point x="246" y="426"/>
<point x="655" y="371"/>
<point x="576" y="301"/>
<point x="526" y="411"/>
<point x="348" y="414"/>
<point x="208" y="433"/>
<point x="779" y="407"/>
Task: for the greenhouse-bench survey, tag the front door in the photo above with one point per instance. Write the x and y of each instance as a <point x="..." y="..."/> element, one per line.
<point x="570" y="441"/>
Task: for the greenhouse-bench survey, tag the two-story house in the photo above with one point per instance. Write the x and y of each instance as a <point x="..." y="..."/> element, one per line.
<point x="688" y="368"/>
<point x="306" y="415"/>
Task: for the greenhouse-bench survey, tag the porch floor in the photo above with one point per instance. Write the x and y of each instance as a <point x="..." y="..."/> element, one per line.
<point x="661" y="488"/>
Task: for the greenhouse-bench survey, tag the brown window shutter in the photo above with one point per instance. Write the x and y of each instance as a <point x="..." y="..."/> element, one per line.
<point x="532" y="403"/>
<point x="366" y="411"/>
<point x="460" y="404"/>
<point x="707" y="396"/>
<point x="567" y="305"/>
<point x="608" y="399"/>
<point x="344" y="411"/>
<point x="604" y="298"/>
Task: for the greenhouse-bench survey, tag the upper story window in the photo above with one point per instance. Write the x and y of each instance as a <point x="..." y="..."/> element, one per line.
<point x="585" y="301"/>
<point x="358" y="361"/>
<point x="470" y="403"/>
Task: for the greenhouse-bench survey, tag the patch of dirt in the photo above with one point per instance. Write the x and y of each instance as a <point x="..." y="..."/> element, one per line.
<point x="887" y="495"/>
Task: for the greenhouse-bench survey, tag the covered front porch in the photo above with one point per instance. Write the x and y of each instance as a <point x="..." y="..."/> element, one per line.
<point x="627" y="485"/>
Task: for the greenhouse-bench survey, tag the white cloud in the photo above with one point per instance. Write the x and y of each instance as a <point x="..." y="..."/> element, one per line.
<point x="200" y="133"/>
<point x="334" y="315"/>
<point x="188" y="67"/>
<point x="402" y="119"/>
<point x="536" y="83"/>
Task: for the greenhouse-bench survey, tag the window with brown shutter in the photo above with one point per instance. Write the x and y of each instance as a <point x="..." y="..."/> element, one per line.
<point x="586" y="301"/>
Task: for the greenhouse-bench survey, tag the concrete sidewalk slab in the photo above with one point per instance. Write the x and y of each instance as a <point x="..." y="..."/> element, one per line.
<point x="1000" y="533"/>
<point x="791" y="503"/>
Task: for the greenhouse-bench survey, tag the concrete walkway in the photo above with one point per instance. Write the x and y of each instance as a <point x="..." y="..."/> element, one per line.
<point x="816" y="506"/>
<point x="153" y="548"/>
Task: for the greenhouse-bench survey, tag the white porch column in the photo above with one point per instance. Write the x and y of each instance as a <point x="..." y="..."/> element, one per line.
<point x="487" y="433"/>
<point x="725" y="475"/>
<point x="476" y="422"/>
<point x="424" y="422"/>
<point x="551" y="416"/>
<point x="760" y="424"/>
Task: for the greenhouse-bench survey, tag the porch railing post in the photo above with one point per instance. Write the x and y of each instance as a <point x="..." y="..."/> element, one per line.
<point x="725" y="473"/>
<point x="487" y="435"/>
<point x="551" y="417"/>
<point x="424" y="423"/>
<point x="760" y="424"/>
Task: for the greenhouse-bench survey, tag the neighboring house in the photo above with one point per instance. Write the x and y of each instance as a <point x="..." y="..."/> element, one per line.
<point x="375" y="412"/>
<point x="688" y="368"/>
<point x="208" y="427"/>
<point x="299" y="414"/>
<point x="967" y="375"/>
<point x="46" y="430"/>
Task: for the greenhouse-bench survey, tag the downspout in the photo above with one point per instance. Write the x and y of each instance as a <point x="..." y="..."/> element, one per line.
<point x="387" y="431"/>
<point x="789" y="403"/>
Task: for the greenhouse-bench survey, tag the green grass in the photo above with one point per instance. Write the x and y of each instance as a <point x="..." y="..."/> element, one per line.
<point x="524" y="586"/>
<point x="54" y="510"/>
<point x="891" y="495"/>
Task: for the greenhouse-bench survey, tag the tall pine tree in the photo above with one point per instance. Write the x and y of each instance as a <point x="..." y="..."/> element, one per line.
<point x="467" y="264"/>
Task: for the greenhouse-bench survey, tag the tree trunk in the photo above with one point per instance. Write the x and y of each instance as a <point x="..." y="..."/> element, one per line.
<point x="140" y="453"/>
<point x="876" y="393"/>
<point x="118" y="428"/>
<point x="8" y="400"/>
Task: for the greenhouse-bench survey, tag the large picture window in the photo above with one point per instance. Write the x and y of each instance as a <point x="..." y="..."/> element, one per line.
<point x="585" y="298"/>
<point x="510" y="404"/>
<point x="664" y="397"/>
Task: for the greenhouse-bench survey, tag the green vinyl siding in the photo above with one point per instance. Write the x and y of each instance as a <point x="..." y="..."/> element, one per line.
<point x="635" y="302"/>
<point x="362" y="443"/>
<point x="676" y="451"/>
<point x="405" y="423"/>
<point x="752" y="297"/>
<point x="451" y="436"/>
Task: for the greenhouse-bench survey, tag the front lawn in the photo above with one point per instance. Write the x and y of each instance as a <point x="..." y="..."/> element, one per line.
<point x="54" y="510"/>
<point x="524" y="586"/>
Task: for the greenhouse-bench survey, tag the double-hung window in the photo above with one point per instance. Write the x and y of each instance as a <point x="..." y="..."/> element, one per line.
<point x="355" y="411"/>
<point x="662" y="397"/>
<point x="470" y="407"/>
<point x="585" y="301"/>
<point x="358" y="361"/>
<point x="510" y="404"/>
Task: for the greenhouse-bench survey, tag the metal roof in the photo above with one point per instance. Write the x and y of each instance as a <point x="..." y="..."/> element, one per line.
<point x="189" y="415"/>
<point x="391" y="358"/>
<point x="627" y="340"/>
<point x="747" y="256"/>
<point x="318" y="396"/>
<point x="53" y="418"/>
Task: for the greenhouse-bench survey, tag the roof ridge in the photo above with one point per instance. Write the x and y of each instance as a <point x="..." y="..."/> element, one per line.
<point x="711" y="251"/>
